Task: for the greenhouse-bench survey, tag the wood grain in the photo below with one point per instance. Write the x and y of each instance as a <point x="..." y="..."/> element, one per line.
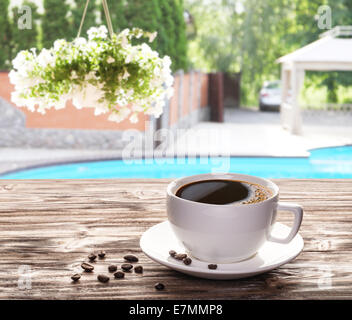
<point x="50" y="226"/>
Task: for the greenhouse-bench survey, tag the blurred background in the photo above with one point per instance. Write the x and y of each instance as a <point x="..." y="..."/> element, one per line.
<point x="235" y="36"/>
<point x="227" y="79"/>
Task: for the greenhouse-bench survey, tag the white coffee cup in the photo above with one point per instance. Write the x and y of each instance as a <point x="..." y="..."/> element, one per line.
<point x="227" y="233"/>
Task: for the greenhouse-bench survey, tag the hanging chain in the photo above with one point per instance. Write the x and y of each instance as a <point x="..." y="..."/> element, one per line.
<point x="82" y="20"/>
<point x="107" y="16"/>
<point x="108" y="19"/>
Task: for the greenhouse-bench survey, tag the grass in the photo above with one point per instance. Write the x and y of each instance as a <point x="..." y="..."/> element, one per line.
<point x="315" y="97"/>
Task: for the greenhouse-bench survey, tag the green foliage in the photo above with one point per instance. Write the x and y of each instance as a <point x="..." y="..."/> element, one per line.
<point x="215" y="37"/>
<point x="179" y="58"/>
<point x="76" y="16"/>
<point x="117" y="14"/>
<point x="167" y="38"/>
<point x="5" y="27"/>
<point x="264" y="27"/>
<point x="249" y="36"/>
<point x="55" y="22"/>
<point x="143" y="14"/>
<point x="163" y="16"/>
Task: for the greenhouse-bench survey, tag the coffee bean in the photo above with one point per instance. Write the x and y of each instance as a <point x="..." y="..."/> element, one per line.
<point x="126" y="267"/>
<point x="159" y="286"/>
<point x="87" y="267"/>
<point x="103" y="278"/>
<point x="138" y="269"/>
<point x="180" y="256"/>
<point x="92" y="257"/>
<point x="131" y="258"/>
<point x="212" y="266"/>
<point x="112" y="268"/>
<point x="102" y="254"/>
<point x="76" y="277"/>
<point x="187" y="261"/>
<point x="119" y="275"/>
<point x="274" y="282"/>
<point x="280" y="285"/>
<point x="172" y="253"/>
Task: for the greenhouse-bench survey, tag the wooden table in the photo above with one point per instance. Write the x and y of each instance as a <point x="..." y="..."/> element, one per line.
<point x="48" y="227"/>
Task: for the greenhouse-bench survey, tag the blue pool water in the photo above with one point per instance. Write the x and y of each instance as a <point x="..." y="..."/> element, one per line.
<point x="323" y="163"/>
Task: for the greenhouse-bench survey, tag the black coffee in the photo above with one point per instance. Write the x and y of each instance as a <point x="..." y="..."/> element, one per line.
<point x="219" y="191"/>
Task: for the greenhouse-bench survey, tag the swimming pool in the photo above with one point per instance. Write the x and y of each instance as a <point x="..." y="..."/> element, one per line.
<point x="322" y="163"/>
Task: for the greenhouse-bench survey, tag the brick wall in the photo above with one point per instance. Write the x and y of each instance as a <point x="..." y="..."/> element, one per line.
<point x="191" y="94"/>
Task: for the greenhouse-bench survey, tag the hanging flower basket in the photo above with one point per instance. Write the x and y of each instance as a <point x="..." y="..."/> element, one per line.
<point x="109" y="74"/>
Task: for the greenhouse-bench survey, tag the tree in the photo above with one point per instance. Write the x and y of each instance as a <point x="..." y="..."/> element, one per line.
<point x="75" y="18"/>
<point x="145" y="15"/>
<point x="262" y="41"/>
<point x="54" y="22"/>
<point x="163" y="16"/>
<point x="165" y="42"/>
<point x="117" y="13"/>
<point x="5" y="34"/>
<point x="214" y="42"/>
<point x="180" y="60"/>
<point x="249" y="36"/>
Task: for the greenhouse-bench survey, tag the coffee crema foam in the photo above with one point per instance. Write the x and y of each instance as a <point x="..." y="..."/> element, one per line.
<point x="256" y="194"/>
<point x="224" y="191"/>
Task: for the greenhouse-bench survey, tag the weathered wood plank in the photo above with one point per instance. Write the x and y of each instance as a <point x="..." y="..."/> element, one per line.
<point x="52" y="225"/>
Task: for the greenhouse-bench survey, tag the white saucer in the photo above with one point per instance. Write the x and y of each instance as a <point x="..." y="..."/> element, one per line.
<point x="157" y="241"/>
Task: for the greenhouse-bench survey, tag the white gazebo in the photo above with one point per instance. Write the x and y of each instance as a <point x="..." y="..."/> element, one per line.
<point x="332" y="52"/>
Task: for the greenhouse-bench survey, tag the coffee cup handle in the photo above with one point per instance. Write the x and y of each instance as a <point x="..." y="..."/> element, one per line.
<point x="297" y="210"/>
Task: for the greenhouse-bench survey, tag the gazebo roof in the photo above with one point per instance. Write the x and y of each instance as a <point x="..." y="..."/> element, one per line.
<point x="328" y="49"/>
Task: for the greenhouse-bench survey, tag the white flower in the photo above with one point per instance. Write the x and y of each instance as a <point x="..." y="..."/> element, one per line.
<point x="20" y="59"/>
<point x="152" y="36"/>
<point x="131" y="54"/>
<point x="110" y="60"/>
<point x="100" y="32"/>
<point x="134" y="118"/>
<point x="125" y="75"/>
<point x="100" y="110"/>
<point x="137" y="108"/>
<point x="80" y="42"/>
<point x="139" y="35"/>
<point x="91" y="76"/>
<point x="166" y="62"/>
<point x="124" y="42"/>
<point x="59" y="44"/>
<point x="61" y="104"/>
<point x="124" y="33"/>
<point x="13" y="76"/>
<point x="45" y="58"/>
<point x="90" y="90"/>
<point x="74" y="75"/>
<point x="170" y="92"/>
<point x="119" y="115"/>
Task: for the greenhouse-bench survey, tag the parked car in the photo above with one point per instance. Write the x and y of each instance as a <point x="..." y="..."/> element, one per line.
<point x="270" y="96"/>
